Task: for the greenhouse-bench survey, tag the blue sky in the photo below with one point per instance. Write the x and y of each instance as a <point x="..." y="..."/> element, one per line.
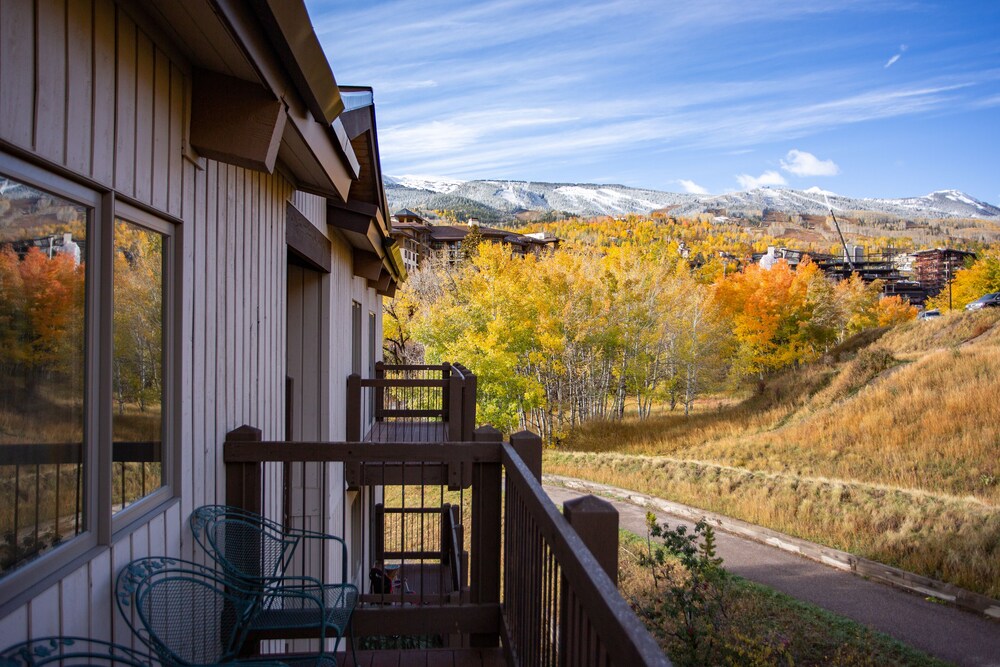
<point x="861" y="97"/>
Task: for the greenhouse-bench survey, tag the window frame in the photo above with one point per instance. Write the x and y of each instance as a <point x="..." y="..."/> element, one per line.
<point x="102" y="528"/>
<point x="138" y="511"/>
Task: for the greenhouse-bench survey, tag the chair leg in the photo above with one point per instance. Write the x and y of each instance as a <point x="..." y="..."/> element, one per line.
<point x="354" y="655"/>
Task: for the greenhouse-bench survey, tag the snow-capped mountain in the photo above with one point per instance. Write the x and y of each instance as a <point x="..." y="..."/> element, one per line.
<point x="500" y="200"/>
<point x="430" y="183"/>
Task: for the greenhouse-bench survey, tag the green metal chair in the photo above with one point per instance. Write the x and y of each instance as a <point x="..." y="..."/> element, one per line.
<point x="257" y="553"/>
<point x="189" y="614"/>
<point x="71" y="652"/>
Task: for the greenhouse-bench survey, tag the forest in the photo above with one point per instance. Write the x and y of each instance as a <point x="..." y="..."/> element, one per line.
<point x="633" y="316"/>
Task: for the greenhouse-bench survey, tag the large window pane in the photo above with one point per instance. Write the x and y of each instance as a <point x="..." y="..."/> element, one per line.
<point x="43" y="251"/>
<point x="137" y="364"/>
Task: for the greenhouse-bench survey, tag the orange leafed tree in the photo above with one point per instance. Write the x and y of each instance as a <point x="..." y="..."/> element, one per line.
<point x="41" y="305"/>
<point x="770" y="312"/>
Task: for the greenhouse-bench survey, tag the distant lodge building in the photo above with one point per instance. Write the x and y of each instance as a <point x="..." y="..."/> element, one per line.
<point x="418" y="239"/>
<point x="915" y="276"/>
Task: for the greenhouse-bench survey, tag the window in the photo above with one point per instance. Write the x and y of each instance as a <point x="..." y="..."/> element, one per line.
<point x="137" y="363"/>
<point x="43" y="397"/>
<point x="85" y="321"/>
<point x="356" y="338"/>
<point x="372" y="344"/>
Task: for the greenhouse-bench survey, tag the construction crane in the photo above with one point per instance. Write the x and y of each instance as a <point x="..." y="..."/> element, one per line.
<point x="847" y="254"/>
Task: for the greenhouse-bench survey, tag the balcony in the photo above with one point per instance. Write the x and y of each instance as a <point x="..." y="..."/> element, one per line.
<point x="484" y="569"/>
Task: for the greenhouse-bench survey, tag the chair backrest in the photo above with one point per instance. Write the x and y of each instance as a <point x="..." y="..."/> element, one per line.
<point x="245" y="544"/>
<point x="72" y="652"/>
<point x="184" y="612"/>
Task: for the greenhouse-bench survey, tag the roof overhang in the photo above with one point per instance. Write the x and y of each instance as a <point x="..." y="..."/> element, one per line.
<point x="375" y="255"/>
<point x="271" y="43"/>
<point x="288" y="26"/>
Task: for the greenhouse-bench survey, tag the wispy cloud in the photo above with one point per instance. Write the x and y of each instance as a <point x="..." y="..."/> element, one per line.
<point x="748" y="182"/>
<point x="802" y="163"/>
<point x="692" y="188"/>
<point x="892" y="61"/>
<point x="530" y="88"/>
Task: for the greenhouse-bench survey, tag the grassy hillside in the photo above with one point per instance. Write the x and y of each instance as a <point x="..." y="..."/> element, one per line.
<point x="889" y="448"/>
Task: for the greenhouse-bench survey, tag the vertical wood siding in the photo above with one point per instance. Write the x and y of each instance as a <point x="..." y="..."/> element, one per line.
<point x="86" y="87"/>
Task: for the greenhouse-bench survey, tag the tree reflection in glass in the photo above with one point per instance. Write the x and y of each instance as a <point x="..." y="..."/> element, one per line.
<point x="42" y="399"/>
<point x="137" y="364"/>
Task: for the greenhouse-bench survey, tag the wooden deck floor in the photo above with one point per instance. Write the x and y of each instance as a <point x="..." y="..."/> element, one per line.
<point x="438" y="657"/>
<point x="402" y="431"/>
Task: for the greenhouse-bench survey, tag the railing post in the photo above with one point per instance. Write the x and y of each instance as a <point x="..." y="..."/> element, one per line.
<point x="469" y="414"/>
<point x="528" y="446"/>
<point x="487" y="481"/>
<point x="454" y="408"/>
<point x="596" y="522"/>
<point x="353" y="408"/>
<point x="379" y="392"/>
<point x="243" y="480"/>
<point x="446" y="373"/>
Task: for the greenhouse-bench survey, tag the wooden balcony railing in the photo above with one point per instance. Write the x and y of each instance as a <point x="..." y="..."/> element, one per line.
<point x="413" y="403"/>
<point x="533" y="586"/>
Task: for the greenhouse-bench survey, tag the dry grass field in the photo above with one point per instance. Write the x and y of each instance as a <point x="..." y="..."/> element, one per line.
<point x="890" y="449"/>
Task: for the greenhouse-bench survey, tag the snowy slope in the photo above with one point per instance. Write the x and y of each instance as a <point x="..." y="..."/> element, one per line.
<point x="505" y="198"/>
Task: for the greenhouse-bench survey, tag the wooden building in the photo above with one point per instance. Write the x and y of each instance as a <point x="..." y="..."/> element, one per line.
<point x="418" y="239"/>
<point x="217" y="131"/>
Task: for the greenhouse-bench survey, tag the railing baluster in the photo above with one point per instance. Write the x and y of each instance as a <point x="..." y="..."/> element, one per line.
<point x="79" y="498"/>
<point x="17" y="507"/>
<point x="58" y="480"/>
<point x="38" y="504"/>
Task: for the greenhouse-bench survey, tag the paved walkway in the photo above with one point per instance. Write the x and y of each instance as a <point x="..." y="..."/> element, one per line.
<point x="940" y="630"/>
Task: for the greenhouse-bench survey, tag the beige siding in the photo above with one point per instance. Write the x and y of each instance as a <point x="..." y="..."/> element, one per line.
<point x="312" y="207"/>
<point x="106" y="101"/>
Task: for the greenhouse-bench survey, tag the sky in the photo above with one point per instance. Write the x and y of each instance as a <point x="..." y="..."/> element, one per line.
<point x="865" y="98"/>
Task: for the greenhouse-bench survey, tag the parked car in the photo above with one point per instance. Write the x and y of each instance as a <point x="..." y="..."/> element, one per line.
<point x="991" y="300"/>
<point x="929" y="314"/>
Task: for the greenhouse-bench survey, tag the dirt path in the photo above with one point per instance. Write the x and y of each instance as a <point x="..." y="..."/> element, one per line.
<point x="945" y="632"/>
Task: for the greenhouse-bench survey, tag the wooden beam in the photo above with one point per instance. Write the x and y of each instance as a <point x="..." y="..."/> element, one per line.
<point x="245" y="451"/>
<point x="235" y="121"/>
<point x="305" y="241"/>
<point x="314" y="157"/>
<point x="409" y="620"/>
<point x="381" y="284"/>
<point x="367" y="265"/>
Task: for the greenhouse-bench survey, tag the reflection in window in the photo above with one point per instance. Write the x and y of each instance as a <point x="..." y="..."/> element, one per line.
<point x="137" y="364"/>
<point x="42" y="287"/>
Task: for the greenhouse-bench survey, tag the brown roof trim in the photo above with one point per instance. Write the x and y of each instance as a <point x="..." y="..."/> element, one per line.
<point x="290" y="30"/>
<point x="305" y="241"/>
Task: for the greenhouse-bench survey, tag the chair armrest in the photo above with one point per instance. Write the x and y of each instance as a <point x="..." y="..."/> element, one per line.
<point x="315" y="535"/>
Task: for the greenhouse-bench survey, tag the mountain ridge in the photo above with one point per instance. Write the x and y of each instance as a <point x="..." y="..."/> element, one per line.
<point x="500" y="200"/>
